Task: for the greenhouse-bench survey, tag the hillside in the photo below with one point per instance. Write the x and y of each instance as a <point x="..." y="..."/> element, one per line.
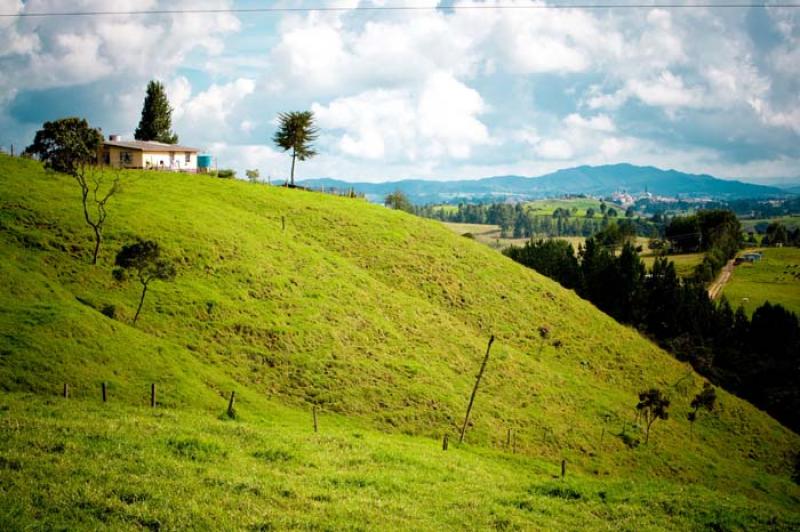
<point x="593" y="180"/>
<point x="377" y="317"/>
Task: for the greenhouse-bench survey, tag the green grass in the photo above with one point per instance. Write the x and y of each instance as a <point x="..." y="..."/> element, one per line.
<point x="548" y="206"/>
<point x="775" y="278"/>
<point x="377" y="317"/>
<point x="685" y="263"/>
<point x="82" y="464"/>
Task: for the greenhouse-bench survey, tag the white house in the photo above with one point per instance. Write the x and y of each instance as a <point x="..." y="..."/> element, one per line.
<point x="148" y="155"/>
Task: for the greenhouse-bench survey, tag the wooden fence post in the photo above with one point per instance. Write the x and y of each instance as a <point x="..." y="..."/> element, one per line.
<point x="314" y="413"/>
<point x="105" y="391"/>
<point x="231" y="404"/>
<point x="475" y="389"/>
<point x="153" y="395"/>
<point x="445" y="442"/>
<point x="508" y="439"/>
<point x="563" y="468"/>
<point x="66" y="391"/>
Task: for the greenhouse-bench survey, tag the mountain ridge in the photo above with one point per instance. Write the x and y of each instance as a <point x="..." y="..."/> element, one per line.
<point x="591" y="180"/>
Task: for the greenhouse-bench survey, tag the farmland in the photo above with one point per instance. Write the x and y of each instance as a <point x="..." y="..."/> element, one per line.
<point x="775" y="278"/>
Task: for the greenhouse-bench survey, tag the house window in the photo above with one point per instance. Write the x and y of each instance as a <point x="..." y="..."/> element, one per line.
<point x="106" y="157"/>
<point x="188" y="158"/>
<point x="125" y="157"/>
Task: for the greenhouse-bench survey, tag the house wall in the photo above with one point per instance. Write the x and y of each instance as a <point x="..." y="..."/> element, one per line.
<point x="126" y="158"/>
<point x="121" y="158"/>
<point x="170" y="160"/>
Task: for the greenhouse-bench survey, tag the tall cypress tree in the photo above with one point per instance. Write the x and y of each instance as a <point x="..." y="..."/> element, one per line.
<point x="156" y="119"/>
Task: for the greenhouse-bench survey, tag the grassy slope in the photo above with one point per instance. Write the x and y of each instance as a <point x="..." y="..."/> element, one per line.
<point x="685" y="263"/>
<point x="377" y="316"/>
<point x="776" y="278"/>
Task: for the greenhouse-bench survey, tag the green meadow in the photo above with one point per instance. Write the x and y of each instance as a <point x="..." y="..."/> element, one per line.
<point x="775" y="278"/>
<point x="685" y="263"/>
<point x="377" y="319"/>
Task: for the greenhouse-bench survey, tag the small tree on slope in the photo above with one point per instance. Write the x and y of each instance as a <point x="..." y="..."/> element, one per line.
<point x="707" y="399"/>
<point x="652" y="405"/>
<point x="142" y="259"/>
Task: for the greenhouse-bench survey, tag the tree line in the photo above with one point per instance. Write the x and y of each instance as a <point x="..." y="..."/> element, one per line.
<point x="519" y="221"/>
<point x="757" y="358"/>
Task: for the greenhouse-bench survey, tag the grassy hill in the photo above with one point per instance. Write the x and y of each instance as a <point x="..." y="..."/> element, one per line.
<point x="377" y="317"/>
<point x="775" y="278"/>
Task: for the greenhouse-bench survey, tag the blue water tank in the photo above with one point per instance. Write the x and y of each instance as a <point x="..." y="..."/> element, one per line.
<point x="204" y="161"/>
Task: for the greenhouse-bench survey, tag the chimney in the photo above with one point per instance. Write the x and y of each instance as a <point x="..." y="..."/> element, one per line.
<point x="114" y="138"/>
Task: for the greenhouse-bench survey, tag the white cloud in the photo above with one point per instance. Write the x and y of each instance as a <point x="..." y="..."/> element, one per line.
<point x="666" y="90"/>
<point x="440" y="120"/>
<point x="61" y="51"/>
<point x="554" y="149"/>
<point x="212" y="107"/>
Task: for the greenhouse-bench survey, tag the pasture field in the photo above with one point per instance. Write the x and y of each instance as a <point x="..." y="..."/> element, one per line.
<point x="548" y="206"/>
<point x="775" y="278"/>
<point x="684" y="262"/>
<point x="378" y="319"/>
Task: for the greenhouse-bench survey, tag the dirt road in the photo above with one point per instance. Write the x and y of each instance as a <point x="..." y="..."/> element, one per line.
<point x="715" y="288"/>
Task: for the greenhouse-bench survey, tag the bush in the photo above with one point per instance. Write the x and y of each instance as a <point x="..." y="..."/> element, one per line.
<point x="109" y="311"/>
<point x="223" y="173"/>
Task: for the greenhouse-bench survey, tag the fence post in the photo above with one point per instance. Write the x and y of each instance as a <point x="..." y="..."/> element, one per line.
<point x="66" y="391"/>
<point x="153" y="395"/>
<point x="445" y="442"/>
<point x="563" y="468"/>
<point x="508" y="439"/>
<point x="314" y="413"/>
<point x="105" y="391"/>
<point x="231" y="403"/>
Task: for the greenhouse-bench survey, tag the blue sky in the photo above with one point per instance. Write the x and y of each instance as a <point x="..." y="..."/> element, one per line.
<point x="441" y="94"/>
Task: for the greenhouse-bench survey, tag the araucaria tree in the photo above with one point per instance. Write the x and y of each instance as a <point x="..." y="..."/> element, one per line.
<point x="70" y="146"/>
<point x="652" y="405"/>
<point x="706" y="399"/>
<point x="296" y="132"/>
<point x="142" y="260"/>
<point x="156" y="121"/>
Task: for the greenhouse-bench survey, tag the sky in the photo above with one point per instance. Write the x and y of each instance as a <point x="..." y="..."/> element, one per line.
<point x="435" y="94"/>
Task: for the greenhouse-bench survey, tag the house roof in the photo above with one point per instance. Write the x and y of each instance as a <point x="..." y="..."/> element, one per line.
<point x="141" y="145"/>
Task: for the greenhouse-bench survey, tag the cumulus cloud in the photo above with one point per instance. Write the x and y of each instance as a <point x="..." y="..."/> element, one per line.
<point x="47" y="52"/>
<point x="438" y="120"/>
<point x="442" y="93"/>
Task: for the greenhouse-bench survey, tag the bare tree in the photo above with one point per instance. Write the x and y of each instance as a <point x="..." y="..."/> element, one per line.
<point x="94" y="197"/>
<point x="71" y="146"/>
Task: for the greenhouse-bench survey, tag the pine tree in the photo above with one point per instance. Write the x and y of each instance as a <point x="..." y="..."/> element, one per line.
<point x="156" y="119"/>
<point x="296" y="133"/>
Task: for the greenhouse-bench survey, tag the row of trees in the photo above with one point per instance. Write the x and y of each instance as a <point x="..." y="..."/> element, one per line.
<point x="519" y="221"/>
<point x="757" y="358"/>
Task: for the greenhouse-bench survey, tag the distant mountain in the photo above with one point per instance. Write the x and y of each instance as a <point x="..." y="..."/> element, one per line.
<point x="592" y="180"/>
